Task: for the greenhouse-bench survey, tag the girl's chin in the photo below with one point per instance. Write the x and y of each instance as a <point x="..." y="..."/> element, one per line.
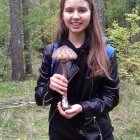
<point x="77" y="31"/>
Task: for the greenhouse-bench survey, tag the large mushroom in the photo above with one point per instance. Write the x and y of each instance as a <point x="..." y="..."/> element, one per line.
<point x="63" y="54"/>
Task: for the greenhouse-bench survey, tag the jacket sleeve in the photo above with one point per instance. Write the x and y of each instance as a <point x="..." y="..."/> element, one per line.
<point x="107" y="97"/>
<point x="43" y="95"/>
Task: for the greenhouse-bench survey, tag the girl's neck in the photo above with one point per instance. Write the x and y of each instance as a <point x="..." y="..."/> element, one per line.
<point x="77" y="39"/>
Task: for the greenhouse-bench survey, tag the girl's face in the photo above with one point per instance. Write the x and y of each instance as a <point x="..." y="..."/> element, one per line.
<point x="76" y="16"/>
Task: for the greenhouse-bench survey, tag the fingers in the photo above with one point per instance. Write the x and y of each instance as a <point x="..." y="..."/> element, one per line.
<point x="76" y="108"/>
<point x="61" y="111"/>
<point x="58" y="83"/>
<point x="61" y="77"/>
<point x="56" y="87"/>
<point x="69" y="113"/>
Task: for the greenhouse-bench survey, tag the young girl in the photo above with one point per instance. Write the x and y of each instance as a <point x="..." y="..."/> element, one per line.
<point x="92" y="85"/>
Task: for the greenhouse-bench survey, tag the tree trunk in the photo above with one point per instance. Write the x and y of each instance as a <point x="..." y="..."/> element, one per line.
<point x="41" y="2"/>
<point x="16" y="41"/>
<point x="130" y="5"/>
<point x="52" y="2"/>
<point x="100" y="4"/>
<point x="26" y="37"/>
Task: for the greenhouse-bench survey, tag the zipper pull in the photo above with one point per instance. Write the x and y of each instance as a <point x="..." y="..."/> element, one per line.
<point x="94" y="120"/>
<point x="101" y="138"/>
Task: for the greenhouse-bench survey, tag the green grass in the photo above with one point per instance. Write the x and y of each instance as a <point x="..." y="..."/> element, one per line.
<point x="126" y="116"/>
<point x="13" y="90"/>
<point x="27" y="122"/>
<point x="30" y="122"/>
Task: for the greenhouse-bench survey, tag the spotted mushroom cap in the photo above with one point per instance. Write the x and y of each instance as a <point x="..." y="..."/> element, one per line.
<point x="64" y="53"/>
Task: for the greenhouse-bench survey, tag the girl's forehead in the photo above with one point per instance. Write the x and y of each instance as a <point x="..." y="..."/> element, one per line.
<point x="76" y="3"/>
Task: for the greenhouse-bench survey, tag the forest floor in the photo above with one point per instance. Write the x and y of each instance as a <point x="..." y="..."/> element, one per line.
<point x="22" y="119"/>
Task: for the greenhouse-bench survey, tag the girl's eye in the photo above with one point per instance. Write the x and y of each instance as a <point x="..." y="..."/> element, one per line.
<point x="69" y="10"/>
<point x="82" y="10"/>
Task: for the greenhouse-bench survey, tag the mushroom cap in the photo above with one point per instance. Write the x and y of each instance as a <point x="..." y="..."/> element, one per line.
<point x="64" y="53"/>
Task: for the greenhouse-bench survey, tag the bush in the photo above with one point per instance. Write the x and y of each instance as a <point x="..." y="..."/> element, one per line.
<point x="127" y="47"/>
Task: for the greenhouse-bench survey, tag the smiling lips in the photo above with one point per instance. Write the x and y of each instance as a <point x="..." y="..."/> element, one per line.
<point x="75" y="24"/>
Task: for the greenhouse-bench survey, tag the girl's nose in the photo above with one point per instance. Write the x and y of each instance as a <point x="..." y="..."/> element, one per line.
<point x="76" y="14"/>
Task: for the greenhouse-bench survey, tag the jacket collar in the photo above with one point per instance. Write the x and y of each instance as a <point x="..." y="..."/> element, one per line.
<point x="84" y="47"/>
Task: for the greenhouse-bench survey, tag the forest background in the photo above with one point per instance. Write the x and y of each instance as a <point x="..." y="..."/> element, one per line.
<point x="26" y="26"/>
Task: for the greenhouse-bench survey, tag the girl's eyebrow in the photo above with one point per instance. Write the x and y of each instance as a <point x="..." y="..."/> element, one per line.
<point x="81" y="7"/>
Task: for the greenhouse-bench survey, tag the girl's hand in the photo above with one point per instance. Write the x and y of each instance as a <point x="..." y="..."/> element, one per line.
<point x="58" y="83"/>
<point x="70" y="113"/>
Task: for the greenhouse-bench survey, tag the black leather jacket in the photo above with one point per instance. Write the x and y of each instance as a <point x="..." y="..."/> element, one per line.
<point x="99" y="96"/>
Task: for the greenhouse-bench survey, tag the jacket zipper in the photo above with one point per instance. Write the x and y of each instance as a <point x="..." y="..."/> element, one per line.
<point x="43" y="102"/>
<point x="100" y="133"/>
<point x="95" y="122"/>
<point x="89" y="121"/>
<point x="52" y="115"/>
<point x="91" y="88"/>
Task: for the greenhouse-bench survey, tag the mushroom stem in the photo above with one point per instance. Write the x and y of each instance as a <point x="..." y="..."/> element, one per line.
<point x="65" y="104"/>
<point x="64" y="68"/>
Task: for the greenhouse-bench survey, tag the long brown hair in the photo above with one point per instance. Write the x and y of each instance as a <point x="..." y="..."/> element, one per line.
<point x="97" y="59"/>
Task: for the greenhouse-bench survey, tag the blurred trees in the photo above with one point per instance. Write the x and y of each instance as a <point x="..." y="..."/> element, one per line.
<point x="37" y="25"/>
